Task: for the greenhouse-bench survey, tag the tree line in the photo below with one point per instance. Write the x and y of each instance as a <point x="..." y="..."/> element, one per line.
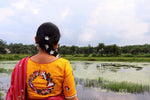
<point x="100" y="50"/>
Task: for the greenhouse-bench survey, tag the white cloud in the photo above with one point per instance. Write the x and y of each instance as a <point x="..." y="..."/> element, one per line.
<point x="87" y="35"/>
<point x="65" y="13"/>
<point x="106" y="21"/>
<point x="5" y="13"/>
<point x="35" y="11"/>
<point x="20" y="4"/>
<point x="116" y="19"/>
<point x="26" y="7"/>
<point x="68" y="33"/>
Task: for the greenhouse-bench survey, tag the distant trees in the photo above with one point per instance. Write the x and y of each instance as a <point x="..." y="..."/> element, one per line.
<point x="105" y="50"/>
<point x="100" y="50"/>
<point x="136" y="49"/>
<point x="19" y="48"/>
<point x="63" y="50"/>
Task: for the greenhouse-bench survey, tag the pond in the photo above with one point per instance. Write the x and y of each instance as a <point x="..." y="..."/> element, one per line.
<point x="97" y="80"/>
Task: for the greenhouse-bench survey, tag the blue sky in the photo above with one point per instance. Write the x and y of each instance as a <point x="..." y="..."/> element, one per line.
<point x="81" y="22"/>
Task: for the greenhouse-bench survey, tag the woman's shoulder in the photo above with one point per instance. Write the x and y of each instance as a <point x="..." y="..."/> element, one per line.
<point x="63" y="60"/>
<point x="23" y="60"/>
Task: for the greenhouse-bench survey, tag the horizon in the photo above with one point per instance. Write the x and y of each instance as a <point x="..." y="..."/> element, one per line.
<point x="78" y="45"/>
<point x="120" y="22"/>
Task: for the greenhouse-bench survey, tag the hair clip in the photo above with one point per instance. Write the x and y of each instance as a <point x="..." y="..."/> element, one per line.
<point x="47" y="38"/>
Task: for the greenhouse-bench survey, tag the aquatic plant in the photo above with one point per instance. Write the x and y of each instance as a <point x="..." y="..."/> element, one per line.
<point x="126" y="87"/>
<point x="1" y="94"/>
<point x="3" y="70"/>
<point x="123" y="86"/>
<point x="114" y="67"/>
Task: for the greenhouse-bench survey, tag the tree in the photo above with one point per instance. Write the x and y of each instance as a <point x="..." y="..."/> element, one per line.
<point x="73" y="49"/>
<point x="63" y="50"/>
<point x="116" y="50"/>
<point x="2" y="46"/>
<point x="107" y="50"/>
<point x="100" y="48"/>
<point x="135" y="51"/>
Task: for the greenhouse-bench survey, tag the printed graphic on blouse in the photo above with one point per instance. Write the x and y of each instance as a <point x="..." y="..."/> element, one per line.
<point x="45" y="76"/>
<point x="67" y="88"/>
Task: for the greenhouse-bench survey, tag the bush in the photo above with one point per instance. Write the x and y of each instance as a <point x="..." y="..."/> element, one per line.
<point x="16" y="57"/>
<point x="2" y="70"/>
<point x="128" y="55"/>
<point x="1" y="94"/>
<point x="143" y="55"/>
<point x="86" y="55"/>
<point x="1" y="57"/>
<point x="76" y="55"/>
<point x="93" y="55"/>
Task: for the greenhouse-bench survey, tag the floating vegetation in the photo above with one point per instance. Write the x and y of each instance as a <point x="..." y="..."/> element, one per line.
<point x="114" y="67"/>
<point x="1" y="94"/>
<point x="85" y="67"/>
<point x="3" y="70"/>
<point x="87" y="63"/>
<point x="71" y="62"/>
<point x="123" y="86"/>
<point x="74" y="67"/>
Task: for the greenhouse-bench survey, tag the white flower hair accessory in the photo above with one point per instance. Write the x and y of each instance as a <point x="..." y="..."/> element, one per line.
<point x="46" y="46"/>
<point x="57" y="56"/>
<point x="47" y="38"/>
<point x="51" y="52"/>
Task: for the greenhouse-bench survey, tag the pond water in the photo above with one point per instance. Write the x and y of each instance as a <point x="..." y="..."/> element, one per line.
<point x="84" y="71"/>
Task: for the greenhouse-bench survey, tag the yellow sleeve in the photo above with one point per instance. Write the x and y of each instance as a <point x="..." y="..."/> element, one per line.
<point x="69" y="84"/>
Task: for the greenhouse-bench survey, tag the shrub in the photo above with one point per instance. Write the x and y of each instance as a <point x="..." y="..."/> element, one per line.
<point x="86" y="55"/>
<point x="93" y="55"/>
<point x="128" y="55"/>
<point x="1" y="57"/>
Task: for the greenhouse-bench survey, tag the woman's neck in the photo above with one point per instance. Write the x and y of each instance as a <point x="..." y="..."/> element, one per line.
<point x="43" y="57"/>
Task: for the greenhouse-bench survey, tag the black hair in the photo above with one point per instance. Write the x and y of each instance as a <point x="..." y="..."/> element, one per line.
<point x="47" y="36"/>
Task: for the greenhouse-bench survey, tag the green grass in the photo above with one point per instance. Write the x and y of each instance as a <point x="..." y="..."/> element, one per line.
<point x="81" y="57"/>
<point x="123" y="86"/>
<point x="3" y="70"/>
<point x="13" y="56"/>
<point x="1" y="94"/>
<point x="126" y="87"/>
<point x="122" y="59"/>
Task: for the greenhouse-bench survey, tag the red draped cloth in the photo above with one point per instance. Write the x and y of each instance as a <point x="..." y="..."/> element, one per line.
<point x="17" y="89"/>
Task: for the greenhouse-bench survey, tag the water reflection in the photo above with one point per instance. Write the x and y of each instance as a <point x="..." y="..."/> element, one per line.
<point x="98" y="94"/>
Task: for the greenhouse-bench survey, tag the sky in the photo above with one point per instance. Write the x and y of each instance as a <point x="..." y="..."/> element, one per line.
<point x="81" y="22"/>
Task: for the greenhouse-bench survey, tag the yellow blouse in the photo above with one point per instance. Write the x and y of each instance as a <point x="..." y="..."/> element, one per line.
<point x="44" y="80"/>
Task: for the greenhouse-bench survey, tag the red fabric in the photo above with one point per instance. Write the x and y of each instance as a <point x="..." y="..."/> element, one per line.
<point x="17" y="90"/>
<point x="18" y="81"/>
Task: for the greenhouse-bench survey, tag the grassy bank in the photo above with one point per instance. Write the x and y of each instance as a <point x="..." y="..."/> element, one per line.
<point x="120" y="59"/>
<point x="12" y="56"/>
<point x="81" y="58"/>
